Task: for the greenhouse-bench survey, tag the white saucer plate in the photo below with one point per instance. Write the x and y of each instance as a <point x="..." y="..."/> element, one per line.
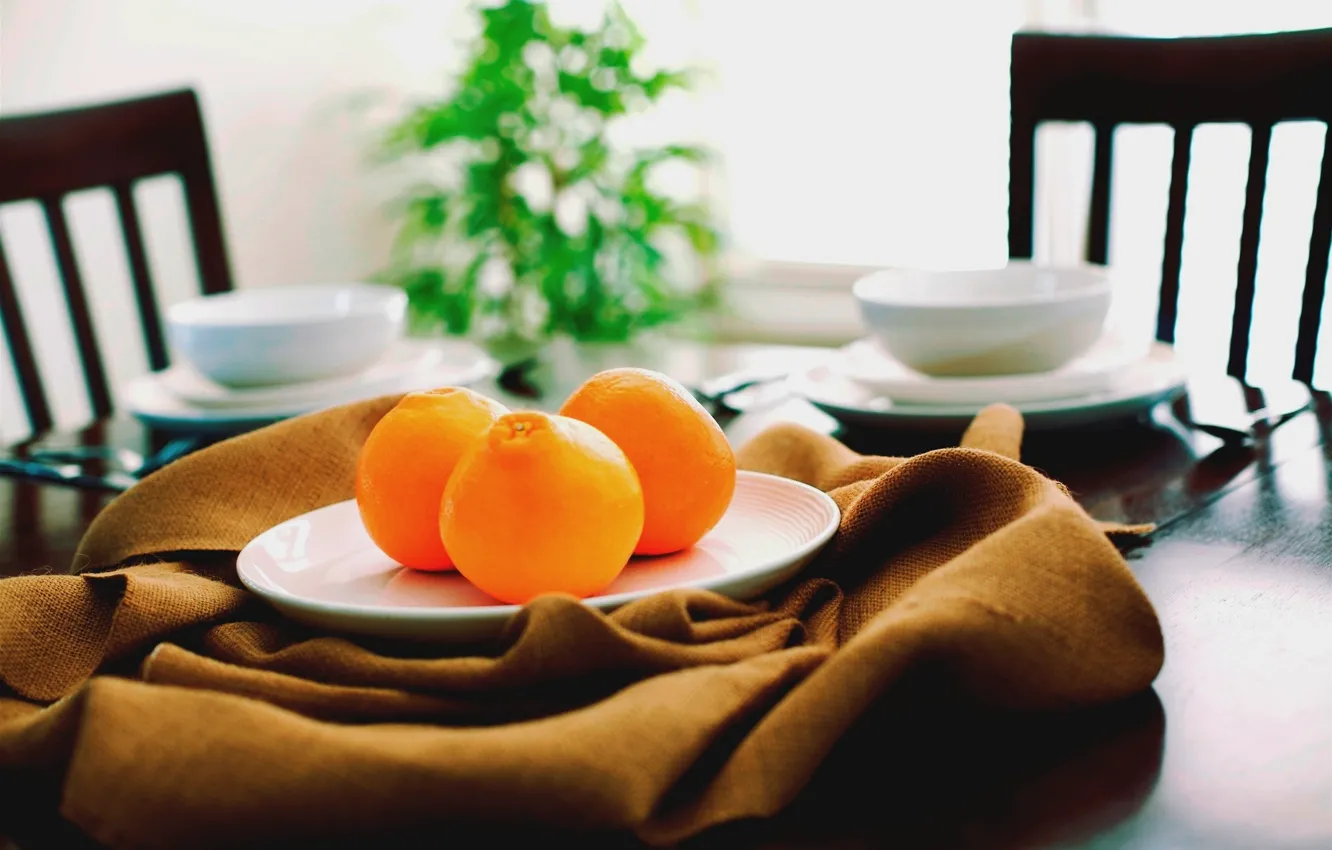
<point x="322" y="569"/>
<point x="1135" y="388"/>
<point x="178" y="400"/>
<point x="866" y="363"/>
<point x="189" y="386"/>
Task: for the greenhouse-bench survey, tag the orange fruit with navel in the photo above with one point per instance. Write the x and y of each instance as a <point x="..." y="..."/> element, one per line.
<point x="684" y="462"/>
<point x="541" y="504"/>
<point x="405" y="464"/>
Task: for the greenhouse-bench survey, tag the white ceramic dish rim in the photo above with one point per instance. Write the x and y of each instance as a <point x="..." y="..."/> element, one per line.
<point x="1115" y="354"/>
<point x="182" y="412"/>
<point x="864" y="289"/>
<point x="368" y="300"/>
<point x="804" y="384"/>
<point x="482" y="612"/>
<point x="407" y="359"/>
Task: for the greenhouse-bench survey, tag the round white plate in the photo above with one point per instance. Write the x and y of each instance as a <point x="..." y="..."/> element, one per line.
<point x="401" y="362"/>
<point x="1132" y="390"/>
<point x="150" y="397"/>
<point x="866" y="363"/>
<point x="322" y="569"/>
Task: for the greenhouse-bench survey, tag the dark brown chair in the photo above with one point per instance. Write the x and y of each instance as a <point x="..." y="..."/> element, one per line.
<point x="44" y="157"/>
<point x="1106" y="81"/>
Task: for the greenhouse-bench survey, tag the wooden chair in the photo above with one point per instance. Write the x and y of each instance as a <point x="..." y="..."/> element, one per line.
<point x="46" y="156"/>
<point x="1257" y="80"/>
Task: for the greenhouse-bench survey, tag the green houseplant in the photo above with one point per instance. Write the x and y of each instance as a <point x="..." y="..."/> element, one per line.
<point x="540" y="226"/>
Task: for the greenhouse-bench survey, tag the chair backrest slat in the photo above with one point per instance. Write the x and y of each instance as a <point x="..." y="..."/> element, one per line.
<point x="46" y="156"/>
<point x="1172" y="259"/>
<point x="1108" y="81"/>
<point x="149" y="317"/>
<point x="1098" y="221"/>
<point x="21" y="352"/>
<point x="1241" y="322"/>
<point x="201" y="205"/>
<point x="1021" y="184"/>
<point x="1315" y="272"/>
<point x="80" y="316"/>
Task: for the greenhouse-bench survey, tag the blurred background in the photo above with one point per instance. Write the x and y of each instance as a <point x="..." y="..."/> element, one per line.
<point x="841" y="136"/>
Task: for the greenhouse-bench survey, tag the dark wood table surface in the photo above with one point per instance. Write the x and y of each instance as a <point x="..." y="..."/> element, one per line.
<point x="1232" y="747"/>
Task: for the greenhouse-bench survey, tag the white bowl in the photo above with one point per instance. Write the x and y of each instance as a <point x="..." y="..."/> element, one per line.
<point x="1015" y="320"/>
<point x="287" y="335"/>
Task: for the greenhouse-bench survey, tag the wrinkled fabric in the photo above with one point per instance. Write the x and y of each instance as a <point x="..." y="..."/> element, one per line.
<point x="154" y="703"/>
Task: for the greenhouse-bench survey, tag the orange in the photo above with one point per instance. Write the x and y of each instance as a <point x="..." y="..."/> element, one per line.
<point x="405" y="463"/>
<point x="541" y="504"/>
<point x="683" y="460"/>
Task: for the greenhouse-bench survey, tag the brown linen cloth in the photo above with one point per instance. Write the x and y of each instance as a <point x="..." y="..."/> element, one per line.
<point x="157" y="704"/>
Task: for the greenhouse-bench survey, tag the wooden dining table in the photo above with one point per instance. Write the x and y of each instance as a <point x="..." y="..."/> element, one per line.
<point x="1231" y="747"/>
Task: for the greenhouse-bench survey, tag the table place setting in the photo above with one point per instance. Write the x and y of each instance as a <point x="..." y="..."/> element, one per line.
<point x="251" y="357"/>
<point x="943" y="344"/>
<point x="248" y="358"/>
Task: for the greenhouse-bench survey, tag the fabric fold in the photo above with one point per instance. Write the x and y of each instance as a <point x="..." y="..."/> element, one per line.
<point x="162" y="706"/>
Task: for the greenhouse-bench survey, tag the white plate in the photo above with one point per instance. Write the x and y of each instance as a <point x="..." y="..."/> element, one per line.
<point x="150" y="397"/>
<point x="1134" y="389"/>
<point x="402" y="361"/>
<point x="865" y="362"/>
<point x="322" y="569"/>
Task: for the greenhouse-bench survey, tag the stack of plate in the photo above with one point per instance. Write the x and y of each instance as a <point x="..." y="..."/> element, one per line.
<point x="251" y="357"/>
<point x="945" y="345"/>
<point x="864" y="385"/>
<point x="182" y="399"/>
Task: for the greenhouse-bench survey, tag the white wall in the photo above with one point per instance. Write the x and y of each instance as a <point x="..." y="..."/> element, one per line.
<point x="278" y="80"/>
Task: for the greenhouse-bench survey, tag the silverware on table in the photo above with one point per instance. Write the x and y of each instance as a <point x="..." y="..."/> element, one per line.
<point x="70" y="475"/>
<point x="124" y="459"/>
<point x="719" y="395"/>
<point x="122" y="468"/>
<point x="1257" y="423"/>
<point x="1233" y="411"/>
